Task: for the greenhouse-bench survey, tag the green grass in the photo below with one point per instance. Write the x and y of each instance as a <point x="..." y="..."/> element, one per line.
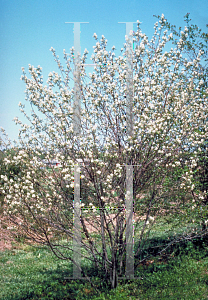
<point x="28" y="272"/>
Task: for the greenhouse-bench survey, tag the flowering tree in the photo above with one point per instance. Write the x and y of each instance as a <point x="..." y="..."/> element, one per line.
<point x="168" y="108"/>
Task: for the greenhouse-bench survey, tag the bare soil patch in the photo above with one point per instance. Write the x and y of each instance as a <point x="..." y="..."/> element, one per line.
<point x="6" y="237"/>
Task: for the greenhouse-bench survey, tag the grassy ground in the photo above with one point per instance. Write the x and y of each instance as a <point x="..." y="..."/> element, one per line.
<point x="34" y="273"/>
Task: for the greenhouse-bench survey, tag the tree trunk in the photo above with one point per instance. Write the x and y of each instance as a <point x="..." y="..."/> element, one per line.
<point x="114" y="274"/>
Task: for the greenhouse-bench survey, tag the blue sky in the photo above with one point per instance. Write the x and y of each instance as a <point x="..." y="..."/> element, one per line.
<point x="28" y="29"/>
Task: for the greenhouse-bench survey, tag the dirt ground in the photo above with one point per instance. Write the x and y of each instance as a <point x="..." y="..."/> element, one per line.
<point x="92" y="225"/>
<point x="6" y="238"/>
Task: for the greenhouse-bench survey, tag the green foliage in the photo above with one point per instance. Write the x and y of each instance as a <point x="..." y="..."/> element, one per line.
<point x="12" y="170"/>
<point x="201" y="173"/>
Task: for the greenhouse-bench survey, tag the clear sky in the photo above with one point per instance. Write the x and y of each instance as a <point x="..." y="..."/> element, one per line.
<point x="29" y="28"/>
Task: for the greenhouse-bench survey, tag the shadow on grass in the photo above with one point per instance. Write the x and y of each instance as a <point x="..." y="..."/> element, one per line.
<point x="54" y="285"/>
<point x="155" y="245"/>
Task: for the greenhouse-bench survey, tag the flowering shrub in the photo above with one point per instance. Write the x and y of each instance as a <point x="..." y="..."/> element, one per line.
<point x="169" y="105"/>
